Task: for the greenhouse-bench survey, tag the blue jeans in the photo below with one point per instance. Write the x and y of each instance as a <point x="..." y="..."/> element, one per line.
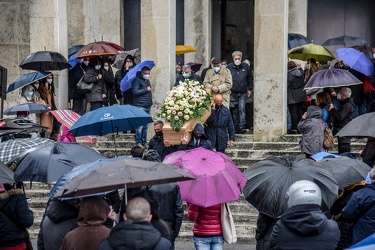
<point x="141" y="132"/>
<point x="360" y="109"/>
<point x="239" y="111"/>
<point x="208" y="243"/>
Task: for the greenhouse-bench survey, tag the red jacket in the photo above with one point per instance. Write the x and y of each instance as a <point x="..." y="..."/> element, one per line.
<point x="207" y="220"/>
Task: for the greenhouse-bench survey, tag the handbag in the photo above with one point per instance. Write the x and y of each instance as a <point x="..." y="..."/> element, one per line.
<point x="329" y="140"/>
<point x="227" y="224"/>
<point x="83" y="87"/>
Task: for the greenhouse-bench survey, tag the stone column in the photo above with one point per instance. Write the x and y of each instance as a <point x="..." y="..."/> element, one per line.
<point x="270" y="68"/>
<point x="198" y="30"/>
<point x="298" y="16"/>
<point x="48" y="31"/>
<point x="158" y="43"/>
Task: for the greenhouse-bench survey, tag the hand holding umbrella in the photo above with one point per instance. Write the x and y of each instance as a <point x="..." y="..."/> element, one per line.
<point x="126" y="82"/>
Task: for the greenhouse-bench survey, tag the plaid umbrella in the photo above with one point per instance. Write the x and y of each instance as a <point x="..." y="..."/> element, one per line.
<point x="10" y="149"/>
<point x="68" y="118"/>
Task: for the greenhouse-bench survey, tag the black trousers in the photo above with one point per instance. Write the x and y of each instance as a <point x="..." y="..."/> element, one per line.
<point x="296" y="112"/>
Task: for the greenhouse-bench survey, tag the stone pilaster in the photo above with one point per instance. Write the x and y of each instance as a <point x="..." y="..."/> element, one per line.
<point x="270" y="68"/>
<point x="298" y="16"/>
<point x="158" y="41"/>
<point x="198" y="30"/>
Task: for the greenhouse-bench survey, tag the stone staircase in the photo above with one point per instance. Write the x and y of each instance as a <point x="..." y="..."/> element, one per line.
<point x="244" y="153"/>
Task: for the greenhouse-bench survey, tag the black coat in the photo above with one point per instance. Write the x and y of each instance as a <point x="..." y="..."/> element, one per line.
<point x="14" y="205"/>
<point x="128" y="94"/>
<point x="192" y="77"/>
<point x="295" y="92"/>
<point x="304" y="227"/>
<point x="109" y="83"/>
<point x="203" y="141"/>
<point x="60" y="218"/>
<point x="133" y="236"/>
<point x="170" y="205"/>
<point x="368" y="153"/>
<point x="219" y="125"/>
<point x="75" y="74"/>
<point x="142" y="97"/>
<point x="157" y="143"/>
<point x="342" y="117"/>
<point x="263" y="231"/>
<point x="242" y="77"/>
<point x="98" y="88"/>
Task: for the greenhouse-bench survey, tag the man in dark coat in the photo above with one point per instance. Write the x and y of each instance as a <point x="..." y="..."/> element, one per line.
<point x="59" y="219"/>
<point x="242" y="88"/>
<point x="75" y="74"/>
<point x="342" y="117"/>
<point x="219" y="125"/>
<point x="136" y="232"/>
<point x="198" y="139"/>
<point x="187" y="74"/>
<point x="14" y="206"/>
<point x="158" y="143"/>
<point x="142" y="99"/>
<point x="360" y="209"/>
<point x="304" y="225"/>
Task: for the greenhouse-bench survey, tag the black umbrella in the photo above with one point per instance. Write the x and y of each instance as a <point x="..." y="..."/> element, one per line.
<point x="296" y="40"/>
<point x="29" y="107"/>
<point x="6" y="175"/>
<point x="122" y="173"/>
<point x="45" y="61"/>
<point x="49" y="162"/>
<point x="346" y="171"/>
<point x="269" y="180"/>
<point x="74" y="49"/>
<point x="362" y="126"/>
<point x="346" y="41"/>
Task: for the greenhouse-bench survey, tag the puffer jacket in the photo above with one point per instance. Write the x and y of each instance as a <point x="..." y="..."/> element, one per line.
<point x="242" y="77"/>
<point x="356" y="210"/>
<point x="60" y="218"/>
<point x="296" y="83"/>
<point x="98" y="88"/>
<point x="203" y="141"/>
<point x="207" y="220"/>
<point x="142" y="97"/>
<point x="304" y="227"/>
<point x="90" y="232"/>
<point x="14" y="205"/>
<point x="219" y="125"/>
<point x="312" y="129"/>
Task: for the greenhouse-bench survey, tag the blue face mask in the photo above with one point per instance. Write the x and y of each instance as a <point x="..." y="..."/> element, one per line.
<point x="31" y="93"/>
<point x="186" y="75"/>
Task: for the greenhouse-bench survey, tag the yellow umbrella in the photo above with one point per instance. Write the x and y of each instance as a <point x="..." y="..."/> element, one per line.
<point x="305" y="52"/>
<point x="183" y="49"/>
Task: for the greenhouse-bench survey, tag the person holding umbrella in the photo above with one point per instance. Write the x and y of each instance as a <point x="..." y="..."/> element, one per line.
<point x="98" y="91"/>
<point x="75" y="74"/>
<point x="27" y="95"/>
<point x="109" y="82"/>
<point x="127" y="96"/>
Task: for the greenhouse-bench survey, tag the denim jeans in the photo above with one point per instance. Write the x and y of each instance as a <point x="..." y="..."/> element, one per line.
<point x="208" y="243"/>
<point x="141" y="132"/>
<point x="360" y="109"/>
<point x="239" y="111"/>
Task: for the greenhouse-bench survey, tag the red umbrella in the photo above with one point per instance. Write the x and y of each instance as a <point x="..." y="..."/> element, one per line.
<point x="113" y="45"/>
<point x="96" y="49"/>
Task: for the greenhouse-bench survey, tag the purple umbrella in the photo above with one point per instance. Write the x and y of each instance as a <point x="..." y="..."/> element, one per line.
<point x="356" y="60"/>
<point x="331" y="77"/>
<point x="126" y="82"/>
<point x="195" y="66"/>
<point x="218" y="179"/>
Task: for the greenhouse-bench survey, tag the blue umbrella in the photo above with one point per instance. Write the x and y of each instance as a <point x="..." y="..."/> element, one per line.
<point x="356" y="60"/>
<point x="73" y="61"/>
<point x="366" y="244"/>
<point x="319" y="156"/>
<point x="112" y="119"/>
<point x="27" y="79"/>
<point x="126" y="82"/>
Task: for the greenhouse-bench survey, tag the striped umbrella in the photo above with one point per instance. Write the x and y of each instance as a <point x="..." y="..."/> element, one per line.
<point x="68" y="118"/>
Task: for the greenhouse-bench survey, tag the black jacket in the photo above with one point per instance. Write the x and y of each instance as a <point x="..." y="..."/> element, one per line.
<point x="242" y="77"/>
<point x="170" y="205"/>
<point x="75" y="74"/>
<point x="263" y="231"/>
<point x="60" y="218"/>
<point x="133" y="236"/>
<point x="128" y="94"/>
<point x="157" y="143"/>
<point x="109" y="83"/>
<point x="98" y="88"/>
<point x="342" y="117"/>
<point x="368" y="153"/>
<point x="203" y="141"/>
<point x="192" y="77"/>
<point x="142" y="97"/>
<point x="296" y="83"/>
<point x="14" y="205"/>
<point x="304" y="227"/>
<point x="219" y="125"/>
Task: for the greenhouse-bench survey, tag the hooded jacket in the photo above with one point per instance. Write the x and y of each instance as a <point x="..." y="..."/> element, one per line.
<point x="203" y="141"/>
<point x="60" y="218"/>
<point x="296" y="83"/>
<point x="14" y="205"/>
<point x="304" y="227"/>
<point x="90" y="231"/>
<point x="134" y="236"/>
<point x="312" y="129"/>
<point x="142" y="97"/>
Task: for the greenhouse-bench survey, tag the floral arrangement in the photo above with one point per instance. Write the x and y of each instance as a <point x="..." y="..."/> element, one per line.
<point x="188" y="100"/>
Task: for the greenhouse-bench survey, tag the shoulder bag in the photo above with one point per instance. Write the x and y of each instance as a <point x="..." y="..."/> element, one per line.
<point x="82" y="86"/>
<point x="227" y="224"/>
<point x="329" y="140"/>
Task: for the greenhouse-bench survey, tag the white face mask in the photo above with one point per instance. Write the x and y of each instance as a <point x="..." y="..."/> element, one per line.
<point x="49" y="81"/>
<point x="106" y="68"/>
<point x="237" y="62"/>
<point x="338" y="96"/>
<point x="308" y="66"/>
<point x="86" y="63"/>
<point x="146" y="77"/>
<point x="217" y="69"/>
<point x="97" y="67"/>
<point x="130" y="64"/>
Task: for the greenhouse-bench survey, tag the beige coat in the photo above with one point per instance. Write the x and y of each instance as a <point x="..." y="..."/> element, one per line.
<point x="222" y="80"/>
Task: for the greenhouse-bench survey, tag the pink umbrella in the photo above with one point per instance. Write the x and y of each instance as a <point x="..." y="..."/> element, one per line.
<point x="218" y="178"/>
